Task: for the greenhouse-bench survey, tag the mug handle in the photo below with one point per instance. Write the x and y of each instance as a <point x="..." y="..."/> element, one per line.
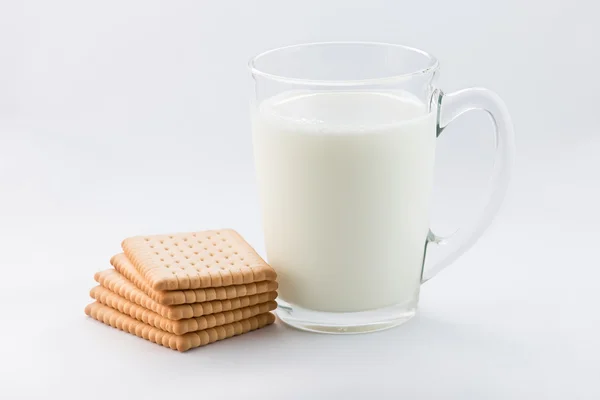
<point x="451" y="106"/>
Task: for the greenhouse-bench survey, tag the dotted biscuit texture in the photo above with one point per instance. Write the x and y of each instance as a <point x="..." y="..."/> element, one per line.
<point x="118" y="284"/>
<point x="181" y="327"/>
<point x="172" y="297"/>
<point x="182" y="343"/>
<point x="196" y="260"/>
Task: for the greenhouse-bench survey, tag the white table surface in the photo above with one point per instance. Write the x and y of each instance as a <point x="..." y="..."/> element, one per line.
<point x="130" y="117"/>
<point x="515" y="317"/>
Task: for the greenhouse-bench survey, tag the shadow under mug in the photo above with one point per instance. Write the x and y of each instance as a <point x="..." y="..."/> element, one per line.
<point x="344" y="137"/>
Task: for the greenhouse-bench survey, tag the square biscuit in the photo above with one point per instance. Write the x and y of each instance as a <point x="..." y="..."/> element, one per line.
<point x="172" y="297"/>
<point x="190" y="340"/>
<point x="183" y="326"/>
<point x="118" y="284"/>
<point x="196" y="260"/>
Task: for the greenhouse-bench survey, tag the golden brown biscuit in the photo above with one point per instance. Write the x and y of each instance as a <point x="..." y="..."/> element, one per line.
<point x="195" y="260"/>
<point x="183" y="326"/>
<point x="117" y="283"/>
<point x="172" y="297"/>
<point x="182" y="343"/>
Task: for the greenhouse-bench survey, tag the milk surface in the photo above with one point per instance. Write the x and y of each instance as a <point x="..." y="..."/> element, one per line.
<point x="345" y="180"/>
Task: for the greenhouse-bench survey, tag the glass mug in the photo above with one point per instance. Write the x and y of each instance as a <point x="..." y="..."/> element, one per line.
<point x="344" y="137"/>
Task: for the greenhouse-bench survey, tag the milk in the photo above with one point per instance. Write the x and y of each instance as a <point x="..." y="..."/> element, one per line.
<point x="345" y="180"/>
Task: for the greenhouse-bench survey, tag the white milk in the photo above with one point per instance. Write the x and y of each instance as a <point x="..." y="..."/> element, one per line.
<point x="345" y="180"/>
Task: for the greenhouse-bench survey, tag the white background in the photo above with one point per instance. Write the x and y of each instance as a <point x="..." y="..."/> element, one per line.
<point x="120" y="118"/>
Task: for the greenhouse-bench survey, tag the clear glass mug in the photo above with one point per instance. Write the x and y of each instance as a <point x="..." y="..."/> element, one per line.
<point x="344" y="137"/>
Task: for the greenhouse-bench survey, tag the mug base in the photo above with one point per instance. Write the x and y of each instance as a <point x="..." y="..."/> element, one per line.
<point x="346" y="322"/>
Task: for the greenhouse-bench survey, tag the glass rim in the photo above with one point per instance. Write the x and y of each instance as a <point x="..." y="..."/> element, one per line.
<point x="432" y="65"/>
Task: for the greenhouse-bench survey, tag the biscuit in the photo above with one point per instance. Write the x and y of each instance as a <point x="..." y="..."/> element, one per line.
<point x="171" y="297"/>
<point x="196" y="260"/>
<point x="183" y="326"/>
<point x="118" y="284"/>
<point x="182" y="343"/>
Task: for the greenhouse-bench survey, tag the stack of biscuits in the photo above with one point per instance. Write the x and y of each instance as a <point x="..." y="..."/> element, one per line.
<point x="185" y="290"/>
